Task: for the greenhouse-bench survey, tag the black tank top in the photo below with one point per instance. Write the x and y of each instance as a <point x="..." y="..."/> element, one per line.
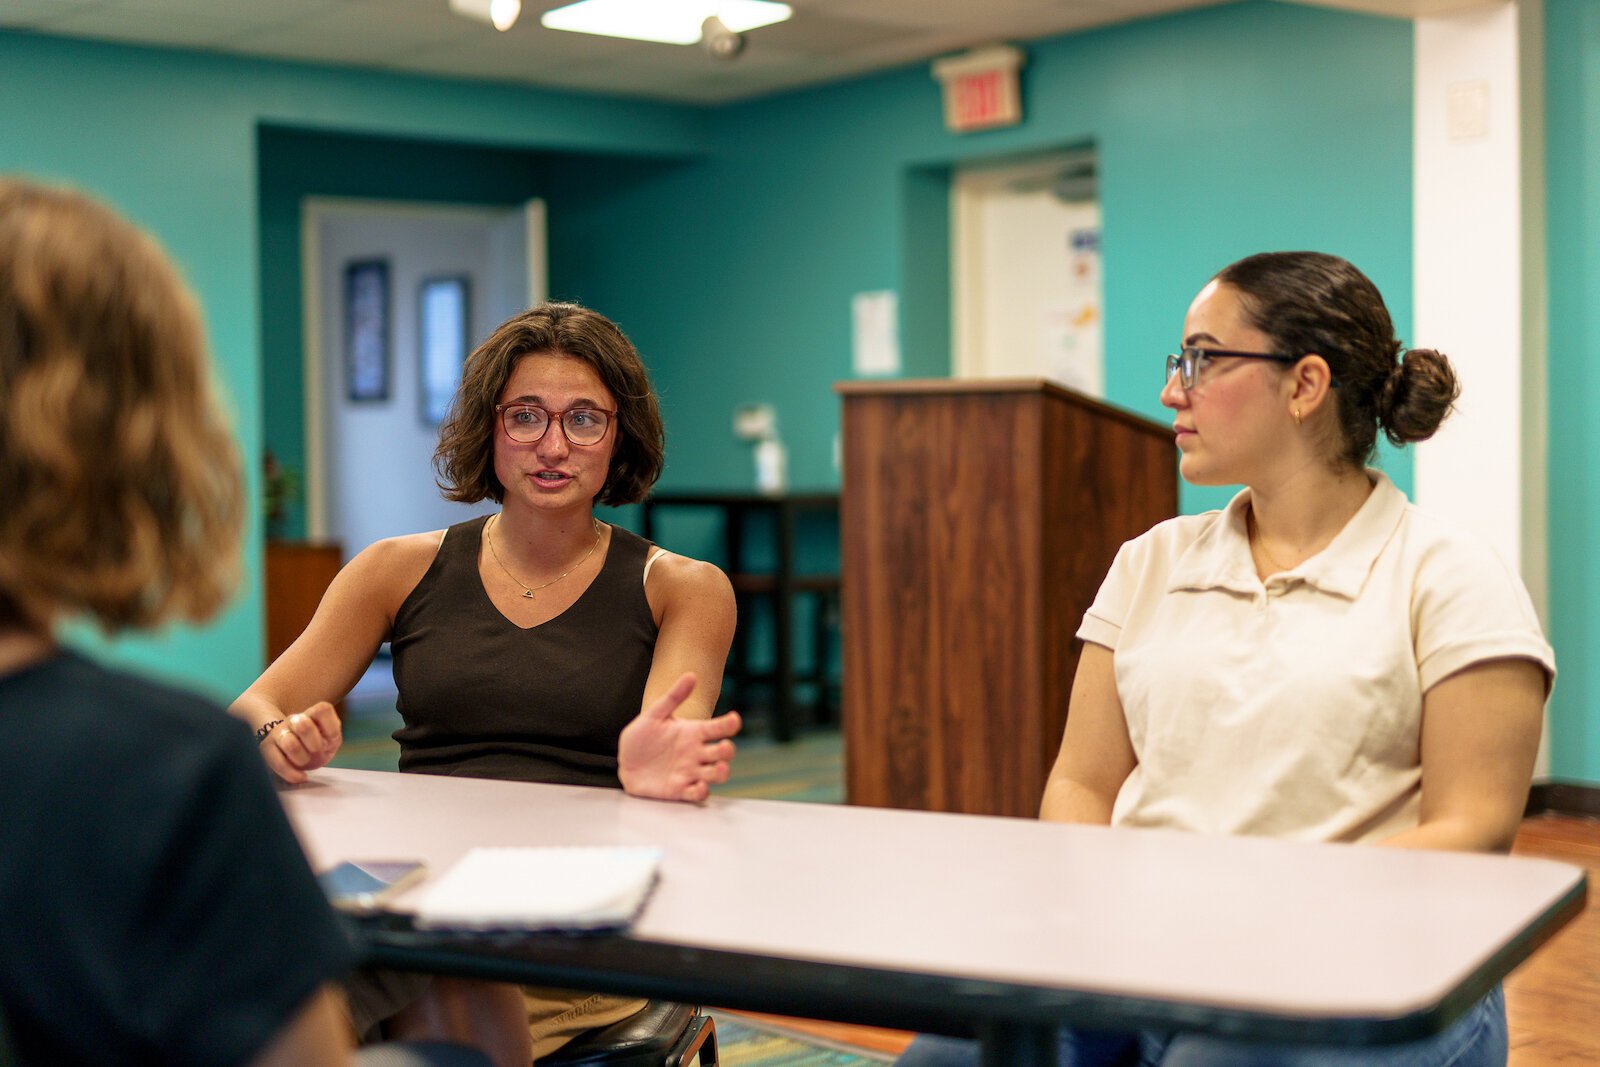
<point x="483" y="698"/>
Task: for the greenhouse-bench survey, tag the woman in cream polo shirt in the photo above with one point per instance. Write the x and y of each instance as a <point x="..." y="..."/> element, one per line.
<point x="1319" y="660"/>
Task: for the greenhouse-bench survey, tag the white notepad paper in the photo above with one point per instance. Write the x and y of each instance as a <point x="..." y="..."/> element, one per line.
<point x="558" y="888"/>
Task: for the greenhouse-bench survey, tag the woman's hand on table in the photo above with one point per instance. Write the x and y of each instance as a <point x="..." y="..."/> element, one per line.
<point x="667" y="758"/>
<point x="303" y="742"/>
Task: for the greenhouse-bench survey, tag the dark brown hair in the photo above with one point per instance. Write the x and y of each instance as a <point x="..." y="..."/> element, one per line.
<point x="465" y="456"/>
<point x="1313" y="303"/>
<point x="119" y="481"/>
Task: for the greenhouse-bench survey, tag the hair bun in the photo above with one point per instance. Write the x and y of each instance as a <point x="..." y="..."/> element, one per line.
<point x="1417" y="396"/>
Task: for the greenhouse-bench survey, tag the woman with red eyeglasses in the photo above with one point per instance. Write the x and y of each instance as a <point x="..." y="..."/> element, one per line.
<point x="538" y="644"/>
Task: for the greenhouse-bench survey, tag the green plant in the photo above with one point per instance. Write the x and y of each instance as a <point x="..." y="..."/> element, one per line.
<point x="279" y="485"/>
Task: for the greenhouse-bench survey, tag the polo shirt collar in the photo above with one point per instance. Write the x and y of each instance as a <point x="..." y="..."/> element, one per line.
<point x="1220" y="557"/>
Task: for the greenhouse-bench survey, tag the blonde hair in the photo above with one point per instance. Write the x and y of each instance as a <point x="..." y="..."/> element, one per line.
<point x="120" y="485"/>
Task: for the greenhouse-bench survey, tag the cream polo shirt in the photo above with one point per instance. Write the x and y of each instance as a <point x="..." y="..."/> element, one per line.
<point x="1293" y="708"/>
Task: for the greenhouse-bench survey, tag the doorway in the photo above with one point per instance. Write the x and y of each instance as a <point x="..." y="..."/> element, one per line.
<point x="373" y="373"/>
<point x="1027" y="298"/>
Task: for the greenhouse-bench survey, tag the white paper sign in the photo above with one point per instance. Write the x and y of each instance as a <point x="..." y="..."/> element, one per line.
<point x="876" y="319"/>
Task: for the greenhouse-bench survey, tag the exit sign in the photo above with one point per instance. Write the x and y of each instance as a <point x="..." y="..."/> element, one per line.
<point x="981" y="89"/>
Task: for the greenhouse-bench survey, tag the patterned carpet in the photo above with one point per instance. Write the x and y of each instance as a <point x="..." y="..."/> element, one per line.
<point x="742" y="1043"/>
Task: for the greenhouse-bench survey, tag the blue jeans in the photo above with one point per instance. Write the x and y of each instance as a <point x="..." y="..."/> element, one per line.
<point x="1477" y="1039"/>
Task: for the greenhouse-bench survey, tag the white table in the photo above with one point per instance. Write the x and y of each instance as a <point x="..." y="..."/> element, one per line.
<point x="1003" y="928"/>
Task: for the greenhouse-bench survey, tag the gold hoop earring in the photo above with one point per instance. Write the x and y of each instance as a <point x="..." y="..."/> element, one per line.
<point x="1297" y="416"/>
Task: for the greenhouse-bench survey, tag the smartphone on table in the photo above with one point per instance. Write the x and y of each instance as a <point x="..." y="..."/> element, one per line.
<point x="364" y="886"/>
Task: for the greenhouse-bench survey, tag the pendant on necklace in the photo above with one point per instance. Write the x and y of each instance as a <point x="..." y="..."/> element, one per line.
<point x="527" y="594"/>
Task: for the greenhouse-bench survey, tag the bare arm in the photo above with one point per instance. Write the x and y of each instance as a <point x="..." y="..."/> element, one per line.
<point x="316" y="1035"/>
<point x="1480" y="736"/>
<point x="1096" y="756"/>
<point x="354" y="618"/>
<point x="674" y="750"/>
<point x="694" y="609"/>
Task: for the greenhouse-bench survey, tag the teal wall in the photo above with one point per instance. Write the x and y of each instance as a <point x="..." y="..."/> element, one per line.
<point x="1572" y="43"/>
<point x="728" y="242"/>
<point x="170" y="138"/>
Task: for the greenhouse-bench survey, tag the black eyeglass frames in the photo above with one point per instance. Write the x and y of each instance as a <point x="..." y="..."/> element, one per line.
<point x="1190" y="363"/>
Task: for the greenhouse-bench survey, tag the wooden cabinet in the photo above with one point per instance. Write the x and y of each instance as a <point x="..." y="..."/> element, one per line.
<point x="978" y="520"/>
<point x="297" y="574"/>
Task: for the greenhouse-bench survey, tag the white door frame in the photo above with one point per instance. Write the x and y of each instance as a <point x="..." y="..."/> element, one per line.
<point x="970" y="186"/>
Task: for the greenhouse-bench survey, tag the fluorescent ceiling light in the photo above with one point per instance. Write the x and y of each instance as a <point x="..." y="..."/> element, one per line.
<point x="666" y="21"/>
<point x="501" y="14"/>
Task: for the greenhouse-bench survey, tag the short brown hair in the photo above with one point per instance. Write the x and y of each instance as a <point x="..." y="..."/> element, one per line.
<point x="120" y="480"/>
<point x="465" y="456"/>
<point x="1312" y="302"/>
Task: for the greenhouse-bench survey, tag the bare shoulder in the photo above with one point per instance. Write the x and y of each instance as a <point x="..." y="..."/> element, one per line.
<point x="675" y="579"/>
<point x="400" y="553"/>
<point x="389" y="569"/>
<point x="692" y="601"/>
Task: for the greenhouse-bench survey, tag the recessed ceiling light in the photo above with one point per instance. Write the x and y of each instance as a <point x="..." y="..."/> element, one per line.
<point x="666" y="21"/>
<point x="501" y="14"/>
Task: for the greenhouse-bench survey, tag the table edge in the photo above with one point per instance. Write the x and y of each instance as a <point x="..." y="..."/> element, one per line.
<point x="928" y="1003"/>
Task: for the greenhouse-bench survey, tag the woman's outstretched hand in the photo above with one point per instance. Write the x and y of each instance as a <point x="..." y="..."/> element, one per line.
<point x="303" y="742"/>
<point x="668" y="758"/>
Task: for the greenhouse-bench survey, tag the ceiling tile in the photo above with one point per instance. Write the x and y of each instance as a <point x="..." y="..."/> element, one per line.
<point x="112" y="22"/>
<point x="361" y="31"/>
<point x="815" y="33"/>
<point x="242" y="10"/>
<point x="33" y="14"/>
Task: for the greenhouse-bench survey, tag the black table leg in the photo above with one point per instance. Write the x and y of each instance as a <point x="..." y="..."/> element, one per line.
<point x="1020" y="1045"/>
<point x="783" y="615"/>
<point x="647" y="513"/>
<point x="733" y="553"/>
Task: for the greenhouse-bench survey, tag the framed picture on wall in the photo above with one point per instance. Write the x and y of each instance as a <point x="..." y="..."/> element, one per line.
<point x="366" y="330"/>
<point x="444" y="308"/>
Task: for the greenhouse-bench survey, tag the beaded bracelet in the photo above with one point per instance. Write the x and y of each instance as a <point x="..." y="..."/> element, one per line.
<point x="265" y="729"/>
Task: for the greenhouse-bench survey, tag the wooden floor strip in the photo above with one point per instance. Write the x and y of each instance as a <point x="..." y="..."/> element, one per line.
<point x="1553" y="1000"/>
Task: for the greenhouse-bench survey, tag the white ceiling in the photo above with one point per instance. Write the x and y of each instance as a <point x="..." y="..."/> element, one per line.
<point x="826" y="40"/>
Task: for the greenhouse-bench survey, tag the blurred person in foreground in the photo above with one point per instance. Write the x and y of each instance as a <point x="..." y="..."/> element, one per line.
<point x="155" y="906"/>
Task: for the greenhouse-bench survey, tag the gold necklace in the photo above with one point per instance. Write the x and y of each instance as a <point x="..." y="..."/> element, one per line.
<point x="1253" y="532"/>
<point x="527" y="593"/>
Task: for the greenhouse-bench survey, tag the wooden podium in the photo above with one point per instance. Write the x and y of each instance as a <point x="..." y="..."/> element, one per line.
<point x="977" y="521"/>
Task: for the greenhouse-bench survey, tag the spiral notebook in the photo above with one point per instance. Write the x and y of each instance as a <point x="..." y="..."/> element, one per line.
<point x="557" y="888"/>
